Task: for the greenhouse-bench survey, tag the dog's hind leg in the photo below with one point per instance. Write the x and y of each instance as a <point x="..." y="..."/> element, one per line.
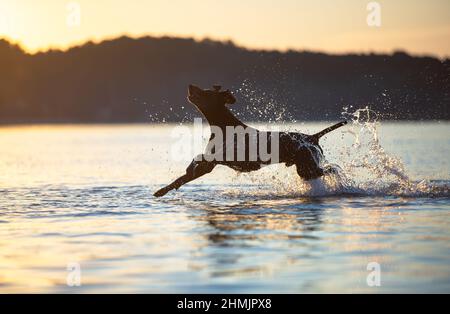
<point x="195" y="170"/>
<point x="307" y="167"/>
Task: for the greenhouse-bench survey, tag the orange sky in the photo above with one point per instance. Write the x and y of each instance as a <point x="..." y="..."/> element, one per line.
<point x="420" y="27"/>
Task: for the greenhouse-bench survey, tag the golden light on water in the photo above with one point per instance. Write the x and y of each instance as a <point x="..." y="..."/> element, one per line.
<point x="83" y="194"/>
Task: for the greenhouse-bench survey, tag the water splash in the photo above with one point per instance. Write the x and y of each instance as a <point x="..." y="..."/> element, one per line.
<point x="263" y="106"/>
<point x="371" y="170"/>
<point x="365" y="168"/>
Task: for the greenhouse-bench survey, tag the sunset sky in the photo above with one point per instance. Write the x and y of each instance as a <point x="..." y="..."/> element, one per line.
<point x="337" y="26"/>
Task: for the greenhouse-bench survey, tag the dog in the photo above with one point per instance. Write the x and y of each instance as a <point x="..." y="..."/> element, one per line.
<point x="301" y="150"/>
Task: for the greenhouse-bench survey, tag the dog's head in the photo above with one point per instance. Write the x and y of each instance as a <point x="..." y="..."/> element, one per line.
<point x="206" y="97"/>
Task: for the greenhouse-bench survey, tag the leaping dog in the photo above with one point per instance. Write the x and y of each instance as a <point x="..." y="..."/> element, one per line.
<point x="293" y="148"/>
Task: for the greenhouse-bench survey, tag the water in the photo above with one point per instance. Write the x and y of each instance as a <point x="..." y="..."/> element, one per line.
<point x="83" y="194"/>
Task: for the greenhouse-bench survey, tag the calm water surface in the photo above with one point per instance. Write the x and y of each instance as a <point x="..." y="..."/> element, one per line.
<point x="83" y="195"/>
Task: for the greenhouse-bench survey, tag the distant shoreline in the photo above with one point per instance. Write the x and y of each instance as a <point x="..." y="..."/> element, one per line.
<point x="225" y="42"/>
<point x="134" y="80"/>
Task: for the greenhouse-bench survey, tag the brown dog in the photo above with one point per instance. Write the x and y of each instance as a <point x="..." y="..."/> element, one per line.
<point x="297" y="149"/>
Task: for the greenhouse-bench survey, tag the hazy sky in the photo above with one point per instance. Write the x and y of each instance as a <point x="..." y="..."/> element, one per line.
<point x="417" y="26"/>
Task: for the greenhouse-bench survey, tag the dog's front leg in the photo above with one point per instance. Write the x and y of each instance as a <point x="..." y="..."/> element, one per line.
<point x="195" y="170"/>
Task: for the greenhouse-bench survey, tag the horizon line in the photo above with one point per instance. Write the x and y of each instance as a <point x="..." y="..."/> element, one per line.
<point x="80" y="44"/>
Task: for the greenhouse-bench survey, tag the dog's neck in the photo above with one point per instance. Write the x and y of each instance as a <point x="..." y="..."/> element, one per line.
<point x="219" y="116"/>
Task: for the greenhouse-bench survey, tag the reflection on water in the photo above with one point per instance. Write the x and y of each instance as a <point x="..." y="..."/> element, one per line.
<point x="83" y="194"/>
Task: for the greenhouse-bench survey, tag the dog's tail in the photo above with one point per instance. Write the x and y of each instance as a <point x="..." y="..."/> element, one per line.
<point x="315" y="138"/>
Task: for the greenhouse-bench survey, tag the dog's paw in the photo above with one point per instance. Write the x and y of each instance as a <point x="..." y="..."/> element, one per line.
<point x="161" y="192"/>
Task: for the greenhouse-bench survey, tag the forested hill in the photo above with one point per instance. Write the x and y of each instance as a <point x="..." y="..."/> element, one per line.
<point x="143" y="80"/>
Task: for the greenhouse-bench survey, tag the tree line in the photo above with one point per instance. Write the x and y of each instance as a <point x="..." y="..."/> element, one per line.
<point x="145" y="80"/>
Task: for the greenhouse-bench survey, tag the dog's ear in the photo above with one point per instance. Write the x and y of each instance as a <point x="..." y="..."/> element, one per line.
<point x="229" y="98"/>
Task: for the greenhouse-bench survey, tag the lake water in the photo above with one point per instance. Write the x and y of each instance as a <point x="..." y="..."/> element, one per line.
<point x="76" y="197"/>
